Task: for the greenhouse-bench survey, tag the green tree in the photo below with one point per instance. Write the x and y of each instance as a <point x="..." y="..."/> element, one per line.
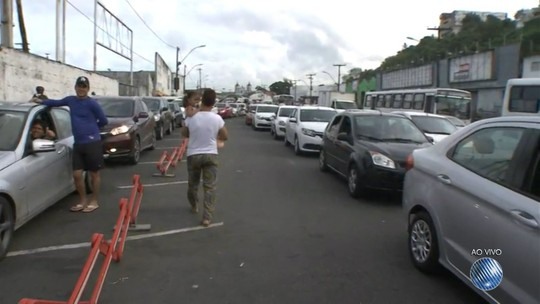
<point x="281" y="87"/>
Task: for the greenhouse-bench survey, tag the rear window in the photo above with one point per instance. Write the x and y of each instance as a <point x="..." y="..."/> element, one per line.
<point x="524" y="99"/>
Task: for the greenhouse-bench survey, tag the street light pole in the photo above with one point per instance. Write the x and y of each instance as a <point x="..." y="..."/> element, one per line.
<point x="200" y="78"/>
<point x="178" y="63"/>
<point x="339" y="65"/>
<point x="310" y="76"/>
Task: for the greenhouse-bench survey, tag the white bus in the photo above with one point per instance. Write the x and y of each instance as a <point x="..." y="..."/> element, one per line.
<point x="441" y="101"/>
<point x="521" y="97"/>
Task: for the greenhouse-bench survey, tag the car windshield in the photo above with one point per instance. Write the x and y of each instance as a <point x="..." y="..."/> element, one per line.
<point x="456" y="121"/>
<point x="117" y="107"/>
<point x="434" y="125"/>
<point x="387" y="128"/>
<point x="285" y="112"/>
<point x="11" y="126"/>
<point x="232" y="105"/>
<point x="221" y="105"/>
<point x="152" y="104"/>
<point x="316" y="115"/>
<point x="345" y="105"/>
<point x="266" y="109"/>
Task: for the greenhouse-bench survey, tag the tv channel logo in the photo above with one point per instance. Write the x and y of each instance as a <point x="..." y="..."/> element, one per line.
<point x="486" y="274"/>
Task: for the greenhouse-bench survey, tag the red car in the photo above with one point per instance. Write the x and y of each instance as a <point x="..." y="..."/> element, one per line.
<point x="224" y="110"/>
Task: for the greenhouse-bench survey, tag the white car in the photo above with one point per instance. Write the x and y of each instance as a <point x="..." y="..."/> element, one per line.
<point x="434" y="126"/>
<point x="277" y="128"/>
<point x="305" y="128"/>
<point x="262" y="117"/>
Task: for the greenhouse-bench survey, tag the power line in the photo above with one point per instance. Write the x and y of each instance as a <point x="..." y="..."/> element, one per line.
<point x="107" y="33"/>
<point x="151" y="30"/>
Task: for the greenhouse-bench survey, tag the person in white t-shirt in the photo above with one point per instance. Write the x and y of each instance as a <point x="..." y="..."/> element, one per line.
<point x="204" y="129"/>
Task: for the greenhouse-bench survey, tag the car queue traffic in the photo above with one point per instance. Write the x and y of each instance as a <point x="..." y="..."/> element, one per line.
<point x="466" y="190"/>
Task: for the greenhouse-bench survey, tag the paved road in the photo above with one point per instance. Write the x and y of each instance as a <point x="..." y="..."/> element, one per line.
<point x="289" y="234"/>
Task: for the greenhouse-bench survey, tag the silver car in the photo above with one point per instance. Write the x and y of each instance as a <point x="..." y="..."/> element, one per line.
<point x="34" y="174"/>
<point x="472" y="204"/>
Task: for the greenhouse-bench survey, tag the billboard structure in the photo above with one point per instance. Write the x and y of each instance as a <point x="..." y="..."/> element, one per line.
<point x="112" y="34"/>
<point x="475" y="67"/>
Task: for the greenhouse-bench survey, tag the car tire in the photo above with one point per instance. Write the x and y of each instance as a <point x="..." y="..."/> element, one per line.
<point x="297" y="149"/>
<point x="286" y="141"/>
<point x="353" y="182"/>
<point x="136" y="151"/>
<point x="160" y="132"/>
<point x="7" y="221"/>
<point x="323" y="166"/>
<point x="423" y="243"/>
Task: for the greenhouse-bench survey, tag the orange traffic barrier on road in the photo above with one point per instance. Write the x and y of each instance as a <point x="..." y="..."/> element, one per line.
<point x="80" y="286"/>
<point x="134" y="203"/>
<point x="170" y="160"/>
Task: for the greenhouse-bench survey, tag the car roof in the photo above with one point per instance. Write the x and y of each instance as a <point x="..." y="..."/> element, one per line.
<point x="411" y="113"/>
<point x="361" y="112"/>
<point x="287" y="107"/>
<point x="119" y="97"/>
<point x="309" y="107"/>
<point x="17" y="106"/>
<point x="512" y="119"/>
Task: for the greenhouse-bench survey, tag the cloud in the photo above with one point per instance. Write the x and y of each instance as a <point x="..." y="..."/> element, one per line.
<point x="258" y="42"/>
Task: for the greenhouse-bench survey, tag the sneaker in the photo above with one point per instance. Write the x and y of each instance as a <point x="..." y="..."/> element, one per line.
<point x="205" y="223"/>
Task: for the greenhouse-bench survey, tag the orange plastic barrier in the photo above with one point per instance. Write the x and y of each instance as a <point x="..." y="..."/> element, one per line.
<point x="170" y="160"/>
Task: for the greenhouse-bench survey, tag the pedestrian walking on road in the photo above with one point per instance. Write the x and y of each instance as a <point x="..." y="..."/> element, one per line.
<point x="204" y="129"/>
<point x="87" y="118"/>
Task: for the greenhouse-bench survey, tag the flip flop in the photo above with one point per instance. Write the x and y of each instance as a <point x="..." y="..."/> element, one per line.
<point x="77" y="208"/>
<point x="90" y="208"/>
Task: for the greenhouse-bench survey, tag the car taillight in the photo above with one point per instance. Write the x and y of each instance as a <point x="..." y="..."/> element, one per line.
<point x="409" y="163"/>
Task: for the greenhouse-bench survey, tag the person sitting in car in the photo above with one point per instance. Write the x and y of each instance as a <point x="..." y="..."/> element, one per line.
<point x="40" y="130"/>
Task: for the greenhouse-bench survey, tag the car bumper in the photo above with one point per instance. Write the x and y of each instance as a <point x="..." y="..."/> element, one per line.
<point x="310" y="143"/>
<point x="117" y="146"/>
<point x="379" y="178"/>
<point x="280" y="131"/>
<point x="262" y="123"/>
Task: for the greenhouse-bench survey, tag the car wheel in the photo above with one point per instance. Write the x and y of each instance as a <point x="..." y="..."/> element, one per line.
<point x="286" y="141"/>
<point x="353" y="181"/>
<point x="322" y="161"/>
<point x="160" y="132"/>
<point x="7" y="225"/>
<point x="423" y="245"/>
<point x="136" y="152"/>
<point x="297" y="149"/>
<point x="88" y="182"/>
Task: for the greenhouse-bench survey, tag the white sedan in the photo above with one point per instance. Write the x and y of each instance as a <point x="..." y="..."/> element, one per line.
<point x="305" y="128"/>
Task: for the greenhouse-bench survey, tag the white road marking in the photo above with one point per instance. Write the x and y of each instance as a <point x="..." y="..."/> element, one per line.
<point x="129" y="238"/>
<point x="154" y="185"/>
<point x="155" y="162"/>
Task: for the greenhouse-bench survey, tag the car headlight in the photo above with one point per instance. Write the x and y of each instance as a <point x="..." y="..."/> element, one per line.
<point x="119" y="130"/>
<point x="382" y="160"/>
<point x="308" y="132"/>
<point x="157" y="117"/>
<point x="281" y="123"/>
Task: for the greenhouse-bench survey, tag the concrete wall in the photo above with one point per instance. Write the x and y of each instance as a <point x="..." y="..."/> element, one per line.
<point x="142" y="82"/>
<point x="20" y="73"/>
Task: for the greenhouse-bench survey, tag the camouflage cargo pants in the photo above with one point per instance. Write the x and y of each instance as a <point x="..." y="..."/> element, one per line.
<point x="207" y="165"/>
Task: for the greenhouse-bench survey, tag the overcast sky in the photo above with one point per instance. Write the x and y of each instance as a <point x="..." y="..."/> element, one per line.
<point x="250" y="41"/>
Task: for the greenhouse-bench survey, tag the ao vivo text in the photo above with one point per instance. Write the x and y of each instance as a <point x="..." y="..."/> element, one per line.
<point x="486" y="252"/>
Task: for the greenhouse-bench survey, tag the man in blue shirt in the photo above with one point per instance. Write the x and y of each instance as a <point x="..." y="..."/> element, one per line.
<point x="87" y="118"/>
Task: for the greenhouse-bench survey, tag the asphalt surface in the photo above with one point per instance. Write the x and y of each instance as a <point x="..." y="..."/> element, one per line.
<point x="284" y="233"/>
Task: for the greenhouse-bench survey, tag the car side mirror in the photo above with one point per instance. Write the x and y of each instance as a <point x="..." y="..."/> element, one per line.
<point x="293" y="119"/>
<point x="43" y="145"/>
<point x="344" y="137"/>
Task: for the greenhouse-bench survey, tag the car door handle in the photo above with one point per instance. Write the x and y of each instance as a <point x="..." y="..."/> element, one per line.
<point x="61" y="150"/>
<point x="444" y="179"/>
<point x="525" y="218"/>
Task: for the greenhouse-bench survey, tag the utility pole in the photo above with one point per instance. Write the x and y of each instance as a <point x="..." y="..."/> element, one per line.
<point x="310" y="76"/>
<point x="7" y="23"/>
<point x="184" y="79"/>
<point x="200" y="78"/>
<point x="294" y="84"/>
<point x="339" y="65"/>
<point x="176" y="79"/>
<point x="22" y="28"/>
